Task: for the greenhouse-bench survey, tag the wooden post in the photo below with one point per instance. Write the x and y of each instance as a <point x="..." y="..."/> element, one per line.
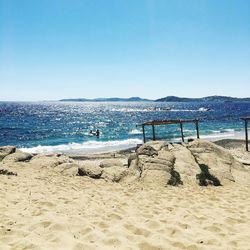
<point x="182" y="135"/>
<point x="246" y="131"/>
<point x="153" y="128"/>
<point x="144" y="136"/>
<point x="197" y="129"/>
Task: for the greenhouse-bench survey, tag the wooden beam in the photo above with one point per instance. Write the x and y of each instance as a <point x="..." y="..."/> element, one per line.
<point x="246" y="132"/>
<point x="165" y="122"/>
<point x="197" y="129"/>
<point x="182" y="135"/>
<point x="153" y="128"/>
<point x="143" y="131"/>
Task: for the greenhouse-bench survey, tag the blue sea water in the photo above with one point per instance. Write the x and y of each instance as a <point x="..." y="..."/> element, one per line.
<point x="62" y="127"/>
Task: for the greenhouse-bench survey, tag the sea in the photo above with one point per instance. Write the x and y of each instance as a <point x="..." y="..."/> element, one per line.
<point x="64" y="127"/>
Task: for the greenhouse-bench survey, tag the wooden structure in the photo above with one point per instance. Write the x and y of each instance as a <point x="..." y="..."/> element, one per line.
<point x="168" y="122"/>
<point x="246" y="119"/>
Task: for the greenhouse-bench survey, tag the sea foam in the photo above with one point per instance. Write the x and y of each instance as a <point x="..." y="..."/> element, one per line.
<point x="135" y="132"/>
<point x="85" y="147"/>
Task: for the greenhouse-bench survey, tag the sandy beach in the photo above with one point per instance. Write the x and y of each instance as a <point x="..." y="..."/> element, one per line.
<point x="123" y="125"/>
<point x="43" y="208"/>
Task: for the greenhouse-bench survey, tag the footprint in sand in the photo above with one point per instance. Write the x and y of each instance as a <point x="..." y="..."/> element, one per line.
<point x="183" y="225"/>
<point x="178" y="245"/>
<point x="58" y="227"/>
<point x="39" y="225"/>
<point x="83" y="246"/>
<point x="114" y="216"/>
<point x="213" y="229"/>
<point x="148" y="246"/>
<point x="152" y="224"/>
<point x="232" y="221"/>
<point x="86" y="230"/>
<point x="103" y="225"/>
<point x="192" y="247"/>
<point x="112" y="242"/>
<point x="46" y="204"/>
<point x="137" y="231"/>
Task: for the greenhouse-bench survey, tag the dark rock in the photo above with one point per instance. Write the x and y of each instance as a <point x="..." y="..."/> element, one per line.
<point x="6" y="172"/>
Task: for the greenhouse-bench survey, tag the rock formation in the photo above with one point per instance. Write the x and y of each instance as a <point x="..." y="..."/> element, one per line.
<point x="155" y="163"/>
<point x="198" y="162"/>
<point x="4" y="151"/>
<point x="17" y="156"/>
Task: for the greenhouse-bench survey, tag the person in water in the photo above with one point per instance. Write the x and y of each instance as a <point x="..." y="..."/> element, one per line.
<point x="97" y="133"/>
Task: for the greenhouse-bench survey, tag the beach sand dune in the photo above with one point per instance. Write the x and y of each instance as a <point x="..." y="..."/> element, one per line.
<point x="41" y="208"/>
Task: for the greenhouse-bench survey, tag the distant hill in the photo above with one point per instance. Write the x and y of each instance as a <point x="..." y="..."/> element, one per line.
<point x="203" y="99"/>
<point x="165" y="99"/>
<point x="114" y="99"/>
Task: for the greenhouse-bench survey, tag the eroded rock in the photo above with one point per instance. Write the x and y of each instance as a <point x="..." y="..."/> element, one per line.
<point x="4" y="151"/>
<point x="131" y="158"/>
<point x="49" y="161"/>
<point x="91" y="170"/>
<point x="153" y="165"/>
<point x="107" y="163"/>
<point x="185" y="164"/>
<point x="17" y="156"/>
<point x="198" y="162"/>
<point x="215" y="162"/>
<point x="115" y="173"/>
<point x="68" y="169"/>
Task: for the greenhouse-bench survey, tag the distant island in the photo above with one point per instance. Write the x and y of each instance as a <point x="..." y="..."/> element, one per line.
<point x="165" y="99"/>
<point x="113" y="99"/>
<point x="203" y="99"/>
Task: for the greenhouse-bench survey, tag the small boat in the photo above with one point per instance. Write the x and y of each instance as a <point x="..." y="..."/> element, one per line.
<point x="204" y="109"/>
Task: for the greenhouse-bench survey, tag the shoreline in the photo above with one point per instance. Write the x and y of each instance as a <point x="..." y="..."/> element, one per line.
<point x="100" y="147"/>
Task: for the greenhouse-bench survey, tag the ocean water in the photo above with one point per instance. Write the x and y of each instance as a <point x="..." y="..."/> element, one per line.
<point x="43" y="127"/>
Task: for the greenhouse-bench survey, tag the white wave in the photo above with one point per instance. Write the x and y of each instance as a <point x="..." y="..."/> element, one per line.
<point x="189" y="130"/>
<point x="223" y="131"/>
<point x="128" y="110"/>
<point x="217" y="136"/>
<point x="228" y="130"/>
<point x="223" y="134"/>
<point x="85" y="147"/>
<point x="216" y="131"/>
<point x="135" y="132"/>
<point x="88" y="134"/>
<point x="101" y="124"/>
<point x="183" y="110"/>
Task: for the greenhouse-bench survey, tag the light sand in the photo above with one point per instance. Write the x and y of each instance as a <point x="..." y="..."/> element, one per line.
<point x="42" y="209"/>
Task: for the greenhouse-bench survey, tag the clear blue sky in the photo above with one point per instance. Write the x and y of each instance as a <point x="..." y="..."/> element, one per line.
<point x="52" y="49"/>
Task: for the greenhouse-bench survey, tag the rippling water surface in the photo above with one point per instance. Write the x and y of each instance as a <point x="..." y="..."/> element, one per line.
<point x="60" y="127"/>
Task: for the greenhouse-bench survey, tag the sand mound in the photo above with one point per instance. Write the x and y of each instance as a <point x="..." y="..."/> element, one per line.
<point x="49" y="206"/>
